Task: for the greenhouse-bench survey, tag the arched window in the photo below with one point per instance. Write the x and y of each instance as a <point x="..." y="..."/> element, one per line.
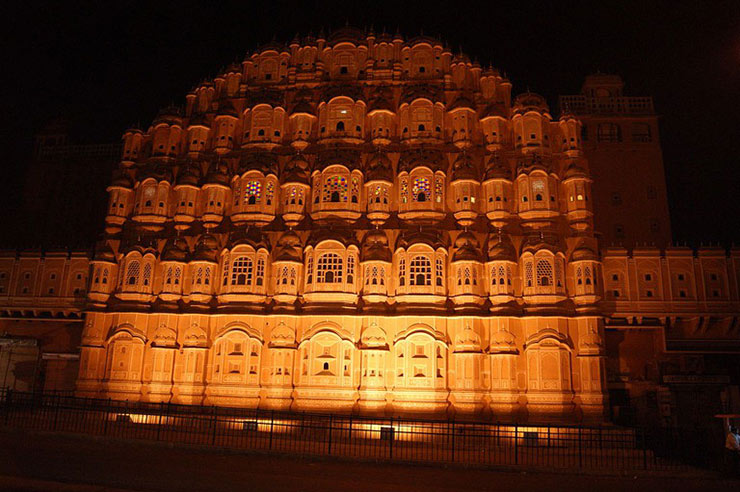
<point x="439" y="272"/>
<point x="528" y="273"/>
<point x="420" y="270"/>
<point x="402" y="272"/>
<point x="350" y="269"/>
<point x="241" y="271"/>
<point x="335" y="189"/>
<point x="329" y="269"/>
<point x="252" y="192"/>
<point x="544" y="273"/>
<point x="340" y="126"/>
<point x="132" y="273"/>
<point x="259" y="279"/>
<point x="309" y="270"/>
<point x="421" y="191"/>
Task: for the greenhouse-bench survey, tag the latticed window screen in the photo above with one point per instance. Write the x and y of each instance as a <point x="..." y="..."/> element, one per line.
<point x="350" y="268"/>
<point x="252" y="192"/>
<point x="198" y="278"/>
<point x="168" y="277"/>
<point x="401" y="271"/>
<point x="528" y="273"/>
<point x="177" y="276"/>
<point x="147" y="274"/>
<point x="544" y="273"/>
<point x="329" y="268"/>
<point x="269" y="192"/>
<point x="335" y="189"/>
<point x="241" y="271"/>
<point x="404" y="190"/>
<point x="309" y="270"/>
<point x="132" y="273"/>
<point x="421" y="191"/>
<point x="420" y="271"/>
<point x="283" y="276"/>
<point x="260" y="271"/>
<point x="439" y="271"/>
<point x="558" y="273"/>
<point x="226" y="271"/>
<point x="439" y="186"/>
<point x="207" y="276"/>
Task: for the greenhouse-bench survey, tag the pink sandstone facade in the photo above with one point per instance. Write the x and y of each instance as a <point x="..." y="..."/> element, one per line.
<point x="372" y="224"/>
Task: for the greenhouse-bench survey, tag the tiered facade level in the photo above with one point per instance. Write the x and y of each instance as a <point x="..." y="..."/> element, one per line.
<point x="357" y="224"/>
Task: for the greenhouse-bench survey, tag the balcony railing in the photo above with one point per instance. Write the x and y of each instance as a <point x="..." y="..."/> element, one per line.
<point x="606" y="105"/>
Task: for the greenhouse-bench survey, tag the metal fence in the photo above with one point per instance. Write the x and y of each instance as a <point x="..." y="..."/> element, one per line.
<point x="388" y="439"/>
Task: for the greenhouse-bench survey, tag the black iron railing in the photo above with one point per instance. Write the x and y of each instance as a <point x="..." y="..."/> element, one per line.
<point x="391" y="439"/>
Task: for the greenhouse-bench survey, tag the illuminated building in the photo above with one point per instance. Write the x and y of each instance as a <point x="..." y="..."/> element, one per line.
<point x="373" y="224"/>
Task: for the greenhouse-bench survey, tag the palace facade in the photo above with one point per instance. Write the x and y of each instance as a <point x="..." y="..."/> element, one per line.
<point x="368" y="223"/>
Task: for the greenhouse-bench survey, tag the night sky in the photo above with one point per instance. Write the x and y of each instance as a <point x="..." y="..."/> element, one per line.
<point x="108" y="66"/>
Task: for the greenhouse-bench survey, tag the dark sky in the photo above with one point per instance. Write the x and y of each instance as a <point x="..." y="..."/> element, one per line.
<point x="109" y="65"/>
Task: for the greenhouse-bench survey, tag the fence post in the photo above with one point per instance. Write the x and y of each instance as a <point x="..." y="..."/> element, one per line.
<point x="516" y="444"/>
<point x="390" y="441"/>
<point x="8" y="403"/>
<point x="159" y="423"/>
<point x="272" y="422"/>
<point x="215" y="424"/>
<point x="644" y="449"/>
<point x="330" y="428"/>
<point x="105" y="418"/>
<point x="453" y="440"/>
<point x="580" y="454"/>
<point x="56" y="411"/>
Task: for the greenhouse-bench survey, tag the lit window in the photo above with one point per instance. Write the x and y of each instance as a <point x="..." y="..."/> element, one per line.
<point x="329" y="269"/>
<point x="420" y="270"/>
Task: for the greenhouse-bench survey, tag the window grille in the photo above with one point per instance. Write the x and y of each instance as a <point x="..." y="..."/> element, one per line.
<point x="329" y="269"/>
<point x="241" y="271"/>
<point x="420" y="269"/>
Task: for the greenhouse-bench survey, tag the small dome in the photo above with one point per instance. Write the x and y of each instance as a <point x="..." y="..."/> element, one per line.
<point x="574" y="170"/>
<point x="375" y="247"/>
<point x="345" y="157"/>
<point x="467" y="340"/>
<point x="172" y="115"/>
<point x="199" y="119"/>
<point x="157" y="171"/>
<point x="464" y="169"/>
<point x="379" y="168"/>
<point x="494" y="109"/>
<point x="535" y="162"/>
<point x="461" y="102"/>
<point x="188" y="175"/>
<point x="373" y="337"/>
<point x="251" y="236"/>
<point x="206" y="249"/>
<point x="421" y="91"/>
<point x="346" y="34"/>
<point x="540" y="242"/>
<point x="411" y="159"/>
<point x="584" y="253"/>
<point x="466" y="248"/>
<point x="501" y="249"/>
<point x="175" y="250"/>
<point x="227" y="109"/>
<point x="497" y="168"/>
<point x="529" y="101"/>
<point x="345" y="237"/>
<point x="121" y="180"/>
<point x="303" y="107"/>
<point x="502" y="342"/>
<point x="381" y="102"/>
<point x="289" y="248"/>
<point x="218" y="173"/>
<point x="342" y="90"/>
<point x="296" y="171"/>
<point x="282" y="336"/>
<point x="103" y="252"/>
<point x="434" y="238"/>
<point x="264" y="162"/>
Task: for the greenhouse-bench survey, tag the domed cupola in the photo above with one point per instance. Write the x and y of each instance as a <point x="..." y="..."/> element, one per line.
<point x="104" y="269"/>
<point x="187" y="191"/>
<point x="577" y="188"/>
<point x="263" y="120"/>
<point x="216" y="192"/>
<point x="537" y="189"/>
<point x="295" y="189"/>
<point x="421" y="115"/>
<point x="462" y="117"/>
<point x="198" y="131"/>
<point x="120" y="202"/>
<point x="543" y="263"/>
<point x="498" y="190"/>
<point x="422" y="185"/>
<point x="378" y="183"/>
<point x="225" y="124"/>
<point x="253" y="190"/>
<point x="531" y="123"/>
<point x="466" y="269"/>
<point x="381" y="115"/>
<point x="494" y="125"/>
<point x="465" y="187"/>
<point x="152" y="204"/>
<point x="302" y="119"/>
<point x="501" y="266"/>
<point x="173" y="262"/>
<point x="586" y="273"/>
<point x="287" y="269"/>
<point x="376" y="265"/>
<point x="337" y="186"/>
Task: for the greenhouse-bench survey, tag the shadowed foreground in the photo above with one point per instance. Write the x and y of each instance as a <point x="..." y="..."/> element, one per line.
<point x="39" y="461"/>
